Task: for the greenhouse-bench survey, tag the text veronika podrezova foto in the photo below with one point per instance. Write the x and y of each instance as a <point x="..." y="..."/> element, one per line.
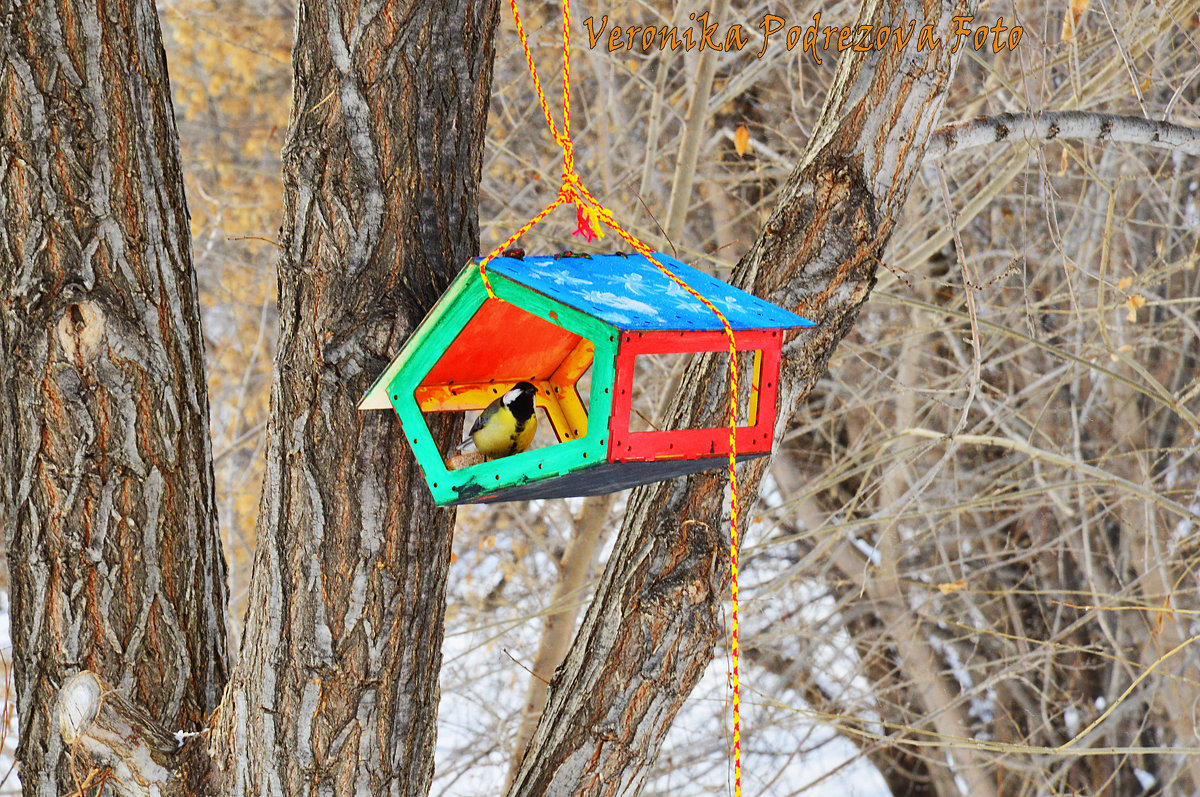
<point x="813" y="39"/>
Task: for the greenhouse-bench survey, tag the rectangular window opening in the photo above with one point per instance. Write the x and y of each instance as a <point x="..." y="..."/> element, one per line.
<point x="657" y="378"/>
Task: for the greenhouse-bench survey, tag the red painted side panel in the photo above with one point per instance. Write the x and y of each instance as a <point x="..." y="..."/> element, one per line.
<point x="627" y="446"/>
<point x="500" y="332"/>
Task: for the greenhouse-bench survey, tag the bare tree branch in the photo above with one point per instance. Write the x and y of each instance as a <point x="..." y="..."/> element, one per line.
<point x="1087" y="126"/>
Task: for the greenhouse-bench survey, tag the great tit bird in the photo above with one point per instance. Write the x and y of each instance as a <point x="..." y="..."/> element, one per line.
<point x="508" y="424"/>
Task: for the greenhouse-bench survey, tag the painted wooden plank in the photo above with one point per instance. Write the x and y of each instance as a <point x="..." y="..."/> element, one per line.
<point x="689" y="444"/>
<point x="548" y="401"/>
<point x="564" y="381"/>
<point x="626" y="445"/>
<point x="575" y="364"/>
<point x="629" y="292"/>
<point x="477" y="396"/>
<point x="675" y="341"/>
<point x="755" y="387"/>
<point x="607" y="477"/>
<point x="539" y="464"/>
<point x="503" y="343"/>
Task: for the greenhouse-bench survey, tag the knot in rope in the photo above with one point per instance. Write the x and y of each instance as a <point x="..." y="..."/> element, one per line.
<point x="571" y="191"/>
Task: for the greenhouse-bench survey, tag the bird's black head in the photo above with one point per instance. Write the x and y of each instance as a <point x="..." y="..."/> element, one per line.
<point x="519" y="400"/>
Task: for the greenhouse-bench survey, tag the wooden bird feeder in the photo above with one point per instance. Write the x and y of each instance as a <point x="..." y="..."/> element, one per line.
<point x="553" y="318"/>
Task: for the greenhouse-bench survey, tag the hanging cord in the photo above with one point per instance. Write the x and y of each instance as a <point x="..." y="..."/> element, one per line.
<point x="589" y="210"/>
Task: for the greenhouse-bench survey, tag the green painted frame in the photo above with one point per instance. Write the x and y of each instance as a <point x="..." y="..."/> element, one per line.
<point x="431" y="339"/>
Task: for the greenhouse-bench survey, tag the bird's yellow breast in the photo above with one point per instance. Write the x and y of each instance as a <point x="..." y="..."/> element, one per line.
<point x="503" y="435"/>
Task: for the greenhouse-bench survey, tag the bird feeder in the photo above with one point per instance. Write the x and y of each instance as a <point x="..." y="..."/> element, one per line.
<point x="553" y="318"/>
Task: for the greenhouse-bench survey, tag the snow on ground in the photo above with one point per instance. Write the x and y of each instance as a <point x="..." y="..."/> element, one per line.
<point x="8" y="717"/>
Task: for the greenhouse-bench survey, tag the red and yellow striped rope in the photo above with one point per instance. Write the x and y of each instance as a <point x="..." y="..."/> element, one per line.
<point x="572" y="191"/>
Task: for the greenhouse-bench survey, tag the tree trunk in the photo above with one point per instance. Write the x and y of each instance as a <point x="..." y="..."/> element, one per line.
<point x="652" y="627"/>
<point x="336" y="690"/>
<point x="107" y="503"/>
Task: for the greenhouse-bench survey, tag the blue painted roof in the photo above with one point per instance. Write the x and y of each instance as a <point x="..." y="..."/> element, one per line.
<point x="629" y="292"/>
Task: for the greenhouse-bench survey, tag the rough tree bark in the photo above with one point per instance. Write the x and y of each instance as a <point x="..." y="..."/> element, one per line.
<point x="336" y="690"/>
<point x="107" y="500"/>
<point x="652" y="627"/>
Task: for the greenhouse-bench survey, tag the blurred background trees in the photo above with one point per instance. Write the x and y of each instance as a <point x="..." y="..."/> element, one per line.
<point x="231" y="77"/>
<point x="1046" y="556"/>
